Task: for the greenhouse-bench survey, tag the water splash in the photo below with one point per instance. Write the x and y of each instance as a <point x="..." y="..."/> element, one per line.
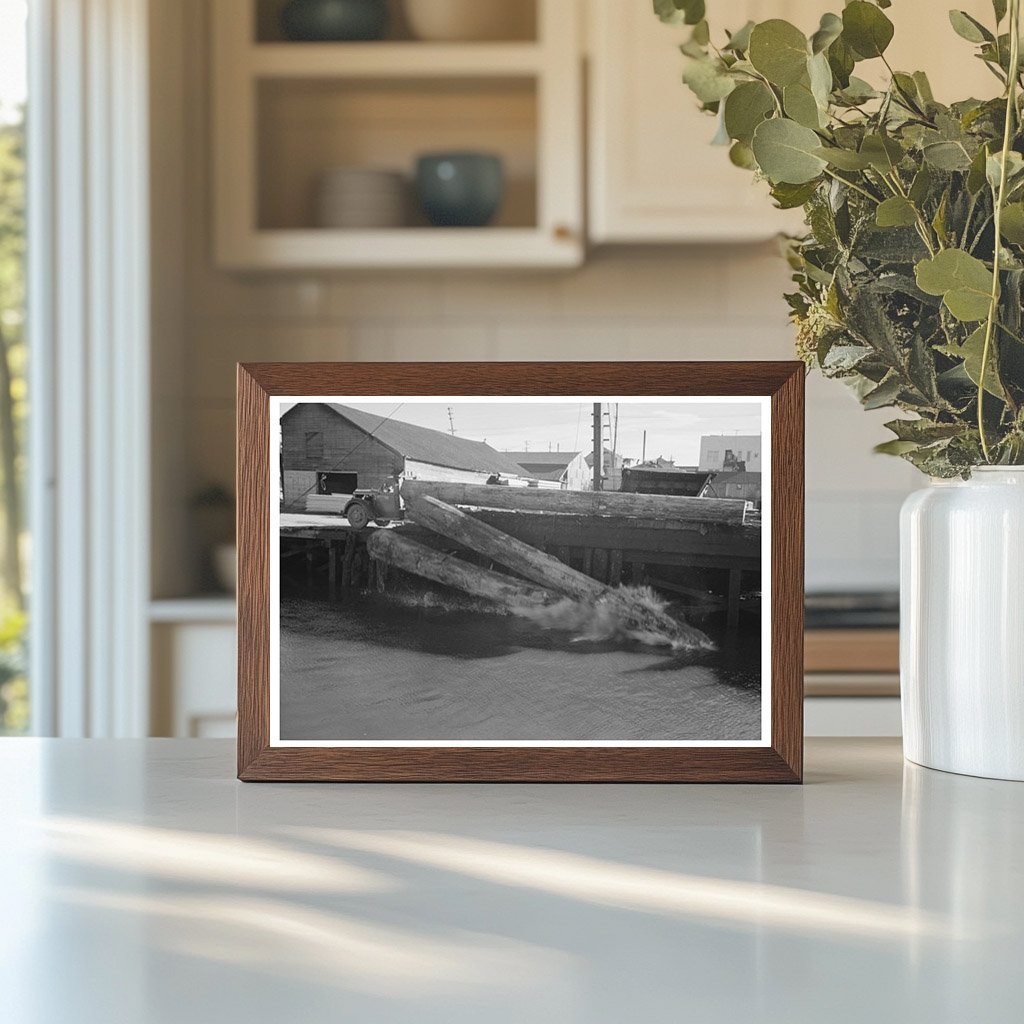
<point x="626" y="613"/>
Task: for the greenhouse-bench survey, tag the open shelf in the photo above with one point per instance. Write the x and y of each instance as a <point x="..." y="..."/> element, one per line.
<point x="308" y="127"/>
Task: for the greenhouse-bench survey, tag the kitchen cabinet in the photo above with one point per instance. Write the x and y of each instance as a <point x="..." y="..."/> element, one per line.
<point x="286" y="113"/>
<point x="653" y="175"/>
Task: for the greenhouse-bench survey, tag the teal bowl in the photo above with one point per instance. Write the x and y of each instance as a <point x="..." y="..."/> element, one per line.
<point x="460" y="190"/>
<point x="334" y="21"/>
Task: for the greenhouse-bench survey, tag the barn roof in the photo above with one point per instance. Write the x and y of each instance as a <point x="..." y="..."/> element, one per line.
<point x="425" y="445"/>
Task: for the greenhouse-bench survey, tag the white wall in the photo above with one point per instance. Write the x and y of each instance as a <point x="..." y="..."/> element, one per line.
<point x="645" y="304"/>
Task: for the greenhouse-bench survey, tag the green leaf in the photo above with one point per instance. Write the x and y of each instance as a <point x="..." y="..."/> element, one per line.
<point x="829" y="30"/>
<point x="896" y="447"/>
<point x="866" y="29"/>
<point x="675" y="12"/>
<point x="789" y="197"/>
<point x="800" y="105"/>
<point x="939" y="220"/>
<point x="976" y="173"/>
<point x="785" y="152"/>
<point x="896" y="212"/>
<point x="885" y="394"/>
<point x="745" y="108"/>
<point x="844" y="159"/>
<point x="739" y="41"/>
<point x="1014" y="169"/>
<point x="858" y="91"/>
<point x="947" y="156"/>
<point x="924" y="87"/>
<point x="778" y="50"/>
<point x="921" y="185"/>
<point x="963" y="281"/>
<point x="721" y="136"/>
<point x="1012" y="225"/>
<point x="999" y="7"/>
<point x="924" y="431"/>
<point x="820" y="76"/>
<point x="841" y="60"/>
<point x="882" y="153"/>
<point x="969" y="28"/>
<point x="971" y="352"/>
<point x="741" y="155"/>
<point x="708" y="80"/>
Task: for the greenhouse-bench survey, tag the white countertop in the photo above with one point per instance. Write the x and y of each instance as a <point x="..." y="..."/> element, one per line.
<point x="143" y="885"/>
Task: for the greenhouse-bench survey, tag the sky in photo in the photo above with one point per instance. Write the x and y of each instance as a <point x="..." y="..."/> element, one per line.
<point x="674" y="427"/>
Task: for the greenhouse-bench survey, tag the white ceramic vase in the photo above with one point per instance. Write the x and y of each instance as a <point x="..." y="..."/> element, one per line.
<point x="962" y="624"/>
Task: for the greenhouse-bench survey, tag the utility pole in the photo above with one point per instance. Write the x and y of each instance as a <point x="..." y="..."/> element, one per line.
<point x="598" y="447"/>
<point x="643" y="451"/>
<point x="451" y="421"/>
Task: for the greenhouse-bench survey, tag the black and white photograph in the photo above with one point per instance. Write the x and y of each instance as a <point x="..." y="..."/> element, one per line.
<point x="520" y="571"/>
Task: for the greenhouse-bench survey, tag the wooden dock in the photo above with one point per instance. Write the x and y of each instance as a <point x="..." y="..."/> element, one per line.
<point x="598" y="540"/>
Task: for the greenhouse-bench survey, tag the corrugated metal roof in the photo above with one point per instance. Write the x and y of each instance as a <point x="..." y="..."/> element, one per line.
<point x="432" y="446"/>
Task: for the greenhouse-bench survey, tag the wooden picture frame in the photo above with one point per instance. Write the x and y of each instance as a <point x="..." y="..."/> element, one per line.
<point x="776" y="757"/>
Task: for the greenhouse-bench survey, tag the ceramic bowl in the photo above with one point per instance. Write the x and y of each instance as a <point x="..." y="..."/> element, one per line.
<point x="334" y="20"/>
<point x="460" y="189"/>
<point x="360" y="197"/>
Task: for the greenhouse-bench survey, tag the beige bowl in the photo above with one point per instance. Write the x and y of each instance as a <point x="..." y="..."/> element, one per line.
<point x="471" y="20"/>
<point x="357" y="197"/>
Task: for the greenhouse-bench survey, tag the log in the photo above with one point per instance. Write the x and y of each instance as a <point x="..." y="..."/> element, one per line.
<point x="391" y="547"/>
<point x="663" y="507"/>
<point x="521" y="558"/>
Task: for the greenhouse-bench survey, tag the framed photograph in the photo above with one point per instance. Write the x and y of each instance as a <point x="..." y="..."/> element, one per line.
<point x="520" y="572"/>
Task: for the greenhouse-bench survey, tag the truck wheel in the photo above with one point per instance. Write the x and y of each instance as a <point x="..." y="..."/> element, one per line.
<point x="358" y="515"/>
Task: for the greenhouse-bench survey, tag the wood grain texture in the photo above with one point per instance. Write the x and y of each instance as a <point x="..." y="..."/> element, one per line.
<point x="781" y="762"/>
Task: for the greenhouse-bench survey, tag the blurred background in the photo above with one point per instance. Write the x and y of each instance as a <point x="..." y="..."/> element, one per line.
<point x="251" y="180"/>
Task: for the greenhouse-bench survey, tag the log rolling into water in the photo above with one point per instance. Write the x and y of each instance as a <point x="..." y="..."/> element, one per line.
<point x="389" y="546"/>
<point x="665" y="508"/>
<point x="500" y="547"/>
<point x="632" y="614"/>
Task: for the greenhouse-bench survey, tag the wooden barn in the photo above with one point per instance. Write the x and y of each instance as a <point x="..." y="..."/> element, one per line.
<point x="333" y="449"/>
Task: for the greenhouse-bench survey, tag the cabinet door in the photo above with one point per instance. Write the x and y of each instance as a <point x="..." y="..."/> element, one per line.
<point x="654" y="177"/>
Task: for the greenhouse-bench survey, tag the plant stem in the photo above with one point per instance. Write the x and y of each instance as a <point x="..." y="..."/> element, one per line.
<point x="923" y="228"/>
<point x="993" y="309"/>
<point x="856" y="188"/>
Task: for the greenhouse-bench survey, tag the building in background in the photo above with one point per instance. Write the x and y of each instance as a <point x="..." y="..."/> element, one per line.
<point x="550" y="468"/>
<point x="738" y="453"/>
<point x="329" y="449"/>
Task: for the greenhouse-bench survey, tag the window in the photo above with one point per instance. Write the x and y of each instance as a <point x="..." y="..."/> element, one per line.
<point x="14" y="694"/>
<point x="314" y="445"/>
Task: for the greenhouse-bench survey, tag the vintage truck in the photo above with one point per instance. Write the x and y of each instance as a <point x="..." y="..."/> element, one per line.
<point x="380" y="506"/>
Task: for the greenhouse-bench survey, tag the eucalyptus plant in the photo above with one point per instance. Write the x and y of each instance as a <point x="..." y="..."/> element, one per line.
<point x="910" y="278"/>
